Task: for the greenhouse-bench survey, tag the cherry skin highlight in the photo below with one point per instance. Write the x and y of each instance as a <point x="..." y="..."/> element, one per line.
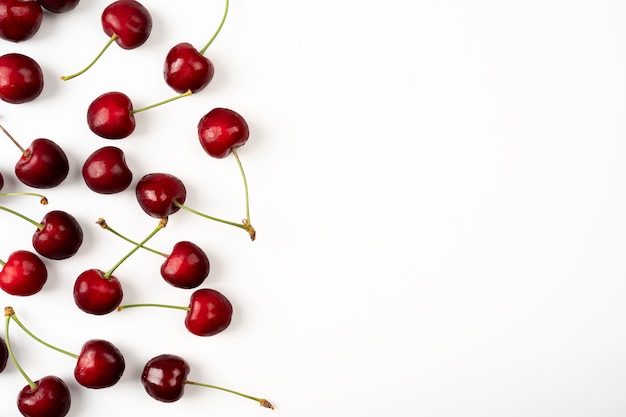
<point x="221" y="130"/>
<point x="100" y="364"/>
<point x="95" y="294"/>
<point x="164" y="377"/>
<point x="106" y="172"/>
<point x="58" y="6"/>
<point x="111" y="116"/>
<point x="210" y="313"/>
<point x="44" y="165"/>
<point x="23" y="274"/>
<point x="156" y="193"/>
<point x="186" y="68"/>
<point x="186" y="267"/>
<point x="50" y="398"/>
<point x="21" y="78"/>
<point x="60" y="236"/>
<point x="129" y="20"/>
<point x="19" y="19"/>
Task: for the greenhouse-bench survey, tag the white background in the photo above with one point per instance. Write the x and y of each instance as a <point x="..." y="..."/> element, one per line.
<point x="437" y="186"/>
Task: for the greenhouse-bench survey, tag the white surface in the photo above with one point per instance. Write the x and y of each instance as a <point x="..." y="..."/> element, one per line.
<point x="438" y="189"/>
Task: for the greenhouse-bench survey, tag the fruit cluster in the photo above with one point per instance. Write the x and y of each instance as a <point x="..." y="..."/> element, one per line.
<point x="58" y="236"/>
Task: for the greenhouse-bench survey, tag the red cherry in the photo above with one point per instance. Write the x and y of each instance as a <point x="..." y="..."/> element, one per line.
<point x="209" y="313"/>
<point x="157" y="192"/>
<point x="21" y="78"/>
<point x="111" y="116"/>
<point x="1" y="181"/>
<point x="164" y="377"/>
<point x="4" y="354"/>
<point x="59" y="235"/>
<point x="23" y="274"/>
<point x="129" y="20"/>
<point x="58" y="6"/>
<point x="100" y="364"/>
<point x="96" y="294"/>
<point x="221" y="130"/>
<point x="106" y="172"/>
<point x="49" y="397"/>
<point x="19" y="19"/>
<point x="186" y="267"/>
<point x="187" y="69"/>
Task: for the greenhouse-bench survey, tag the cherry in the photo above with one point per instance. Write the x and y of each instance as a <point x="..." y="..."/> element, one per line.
<point x="100" y="364"/>
<point x="160" y="195"/>
<point x="46" y="397"/>
<point x="21" y="78"/>
<point x="106" y="172"/>
<point x="43" y="165"/>
<point x="209" y="312"/>
<point x="1" y="181"/>
<point x="127" y="23"/>
<point x="98" y="292"/>
<point x="164" y="378"/>
<point x="23" y="274"/>
<point x="58" y="6"/>
<point x="4" y="354"/>
<point x="187" y="266"/>
<point x="19" y="19"/>
<point x="221" y="131"/>
<point x="111" y="115"/>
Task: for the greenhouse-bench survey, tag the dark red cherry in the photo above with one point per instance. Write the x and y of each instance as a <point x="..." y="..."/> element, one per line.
<point x="4" y="354"/>
<point x="111" y="116"/>
<point x="43" y="165"/>
<point x="210" y="313"/>
<point x="95" y="294"/>
<point x="58" y="6"/>
<point x="23" y="274"/>
<point x="19" y="19"/>
<point x="186" y="68"/>
<point x="100" y="364"/>
<point x="1" y="181"/>
<point x="221" y="130"/>
<point x="157" y="192"/>
<point x="59" y="237"/>
<point x="186" y="267"/>
<point x="21" y="78"/>
<point x="106" y="172"/>
<point x="164" y="377"/>
<point x="129" y="20"/>
<point x="50" y="398"/>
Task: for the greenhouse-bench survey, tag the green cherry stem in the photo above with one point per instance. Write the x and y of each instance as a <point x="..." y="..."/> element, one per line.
<point x="261" y="401"/>
<point x="20" y="147"/>
<point x="103" y="224"/>
<point x="13" y="317"/>
<point x="8" y="311"/>
<point x="219" y="28"/>
<point x="42" y="198"/>
<point x="106" y="46"/>
<point x="185" y="94"/>
<point x="245" y="184"/>
<point x="28" y="219"/>
<point x="161" y="225"/>
<point x="125" y="306"/>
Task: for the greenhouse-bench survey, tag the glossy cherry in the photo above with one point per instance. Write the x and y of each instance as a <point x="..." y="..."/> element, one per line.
<point x="164" y="378"/>
<point x="99" y="365"/>
<point x="106" y="172"/>
<point x="112" y="116"/>
<point x="19" y="19"/>
<point x="4" y="354"/>
<point x="158" y="192"/>
<point x="58" y="6"/>
<point x="23" y="273"/>
<point x="21" y="78"/>
<point x="46" y="397"/>
<point x="1" y="181"/>
<point x="59" y="235"/>
<point x="221" y="130"/>
<point x="127" y="23"/>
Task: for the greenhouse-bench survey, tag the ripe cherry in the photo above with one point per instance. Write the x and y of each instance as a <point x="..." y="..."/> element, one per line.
<point x="19" y="19"/>
<point x="106" y="172"/>
<point x="111" y="115"/>
<point x="127" y="23"/>
<point x="21" y="78"/>
<point x="23" y="274"/>
<point x="221" y="131"/>
<point x="43" y="165"/>
<point x="209" y="312"/>
<point x="164" y="378"/>
<point x="58" y="6"/>
<point x="4" y="354"/>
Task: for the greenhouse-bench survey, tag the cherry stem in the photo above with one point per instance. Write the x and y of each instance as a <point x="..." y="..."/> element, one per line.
<point x="161" y="225"/>
<point x="185" y="94"/>
<point x="261" y="401"/>
<point x="2" y="263"/>
<point x="106" y="46"/>
<point x="122" y="307"/>
<point x="103" y="224"/>
<point x="245" y="183"/>
<point x="8" y="311"/>
<point x="42" y="198"/>
<point x="219" y="28"/>
<point x="24" y="151"/>
<point x="28" y="332"/>
<point x="28" y="219"/>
